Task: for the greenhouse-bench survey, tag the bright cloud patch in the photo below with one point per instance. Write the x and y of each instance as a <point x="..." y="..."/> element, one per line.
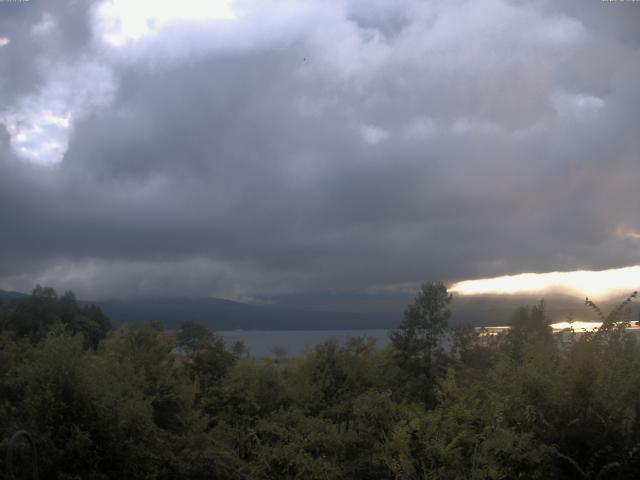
<point x="4" y="41"/>
<point x="628" y="233"/>
<point x="121" y="21"/>
<point x="41" y="139"/>
<point x="582" y="281"/>
<point x="576" y="104"/>
<point x="39" y="124"/>
<point x="373" y="135"/>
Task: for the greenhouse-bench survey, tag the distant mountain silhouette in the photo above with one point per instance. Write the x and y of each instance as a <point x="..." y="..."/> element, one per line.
<point x="228" y="315"/>
<point x="488" y="310"/>
<point x="6" y="296"/>
<point x="340" y="314"/>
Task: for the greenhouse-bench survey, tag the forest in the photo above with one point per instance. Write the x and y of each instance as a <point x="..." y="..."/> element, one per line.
<point x="439" y="402"/>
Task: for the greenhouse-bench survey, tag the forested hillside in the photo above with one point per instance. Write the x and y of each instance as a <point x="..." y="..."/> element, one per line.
<point x="140" y="403"/>
<point x="319" y="312"/>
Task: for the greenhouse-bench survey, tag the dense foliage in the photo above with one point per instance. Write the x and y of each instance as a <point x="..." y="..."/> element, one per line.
<point x="438" y="403"/>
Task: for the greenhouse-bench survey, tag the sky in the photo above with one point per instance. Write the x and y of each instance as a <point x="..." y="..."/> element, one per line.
<point x="260" y="148"/>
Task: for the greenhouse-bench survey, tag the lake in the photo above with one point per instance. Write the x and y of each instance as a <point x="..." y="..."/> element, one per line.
<point x="261" y="343"/>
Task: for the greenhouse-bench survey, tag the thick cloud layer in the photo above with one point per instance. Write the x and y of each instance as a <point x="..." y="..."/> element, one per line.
<point x="316" y="146"/>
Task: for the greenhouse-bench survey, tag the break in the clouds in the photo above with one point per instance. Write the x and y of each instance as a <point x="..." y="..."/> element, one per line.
<point x="246" y="148"/>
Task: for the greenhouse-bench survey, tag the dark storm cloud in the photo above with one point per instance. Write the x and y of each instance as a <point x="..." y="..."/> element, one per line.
<point x="336" y="146"/>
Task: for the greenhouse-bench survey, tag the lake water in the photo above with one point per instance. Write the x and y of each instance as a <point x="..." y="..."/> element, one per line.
<point x="295" y="342"/>
<point x="261" y="343"/>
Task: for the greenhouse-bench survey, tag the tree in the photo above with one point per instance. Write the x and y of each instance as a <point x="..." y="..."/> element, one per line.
<point x="529" y="326"/>
<point x="280" y="351"/>
<point x="194" y="336"/>
<point x="240" y="349"/>
<point x="206" y="355"/>
<point x="418" y="341"/>
<point x="32" y="317"/>
<point x="92" y="324"/>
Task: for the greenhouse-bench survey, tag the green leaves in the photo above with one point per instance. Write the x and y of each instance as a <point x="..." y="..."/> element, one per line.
<point x="418" y="343"/>
<point x="32" y="317"/>
<point x="147" y="404"/>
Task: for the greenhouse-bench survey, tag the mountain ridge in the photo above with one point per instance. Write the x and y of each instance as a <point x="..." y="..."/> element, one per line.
<point x="223" y="314"/>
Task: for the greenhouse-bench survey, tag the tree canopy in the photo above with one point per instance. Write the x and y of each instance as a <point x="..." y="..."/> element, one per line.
<point x="143" y="403"/>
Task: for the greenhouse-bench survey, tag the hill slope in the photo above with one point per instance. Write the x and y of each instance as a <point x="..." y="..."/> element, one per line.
<point x="369" y="314"/>
<point x="227" y="315"/>
<point x="6" y="296"/>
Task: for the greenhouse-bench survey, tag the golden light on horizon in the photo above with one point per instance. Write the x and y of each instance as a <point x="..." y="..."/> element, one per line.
<point x="584" y="282"/>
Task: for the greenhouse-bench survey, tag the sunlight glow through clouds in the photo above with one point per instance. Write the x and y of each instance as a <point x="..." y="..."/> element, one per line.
<point x="627" y="233"/>
<point x="38" y="136"/>
<point x="583" y="282"/>
<point x="39" y="124"/>
<point x="122" y="21"/>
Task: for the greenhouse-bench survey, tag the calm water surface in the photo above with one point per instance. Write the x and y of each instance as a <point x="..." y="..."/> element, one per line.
<point x="262" y="343"/>
<point x="295" y="342"/>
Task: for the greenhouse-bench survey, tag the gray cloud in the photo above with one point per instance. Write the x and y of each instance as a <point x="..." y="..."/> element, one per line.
<point x="338" y="146"/>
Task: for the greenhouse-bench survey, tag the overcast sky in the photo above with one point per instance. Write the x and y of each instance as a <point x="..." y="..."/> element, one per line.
<point x="264" y="147"/>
